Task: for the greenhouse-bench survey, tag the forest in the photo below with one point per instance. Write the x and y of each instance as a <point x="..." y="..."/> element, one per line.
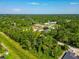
<point x="42" y="44"/>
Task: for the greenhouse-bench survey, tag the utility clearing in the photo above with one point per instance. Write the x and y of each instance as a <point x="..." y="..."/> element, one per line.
<point x="15" y="50"/>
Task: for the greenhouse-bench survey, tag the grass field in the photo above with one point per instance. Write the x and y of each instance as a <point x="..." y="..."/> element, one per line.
<point x="15" y="50"/>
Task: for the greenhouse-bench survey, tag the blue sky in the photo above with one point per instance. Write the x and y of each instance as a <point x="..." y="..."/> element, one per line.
<point x="39" y="6"/>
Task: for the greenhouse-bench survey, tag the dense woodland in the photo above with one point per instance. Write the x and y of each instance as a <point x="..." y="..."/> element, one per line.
<point x="42" y="44"/>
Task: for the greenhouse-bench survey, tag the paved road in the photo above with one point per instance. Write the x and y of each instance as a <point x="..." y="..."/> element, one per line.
<point x="71" y="49"/>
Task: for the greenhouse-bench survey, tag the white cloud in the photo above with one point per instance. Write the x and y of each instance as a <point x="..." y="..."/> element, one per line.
<point x="74" y="3"/>
<point x="34" y="3"/>
<point x="16" y="9"/>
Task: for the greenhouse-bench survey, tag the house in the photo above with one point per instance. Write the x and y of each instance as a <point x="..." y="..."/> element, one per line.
<point x="50" y="25"/>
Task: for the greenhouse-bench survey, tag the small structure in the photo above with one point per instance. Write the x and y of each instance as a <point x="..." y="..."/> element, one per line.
<point x="50" y="25"/>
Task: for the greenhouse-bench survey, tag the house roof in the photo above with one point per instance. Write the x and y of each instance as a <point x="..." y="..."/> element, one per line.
<point x="70" y="55"/>
<point x="2" y="57"/>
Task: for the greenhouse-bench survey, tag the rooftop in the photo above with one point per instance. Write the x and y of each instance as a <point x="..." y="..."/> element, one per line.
<point x="70" y="55"/>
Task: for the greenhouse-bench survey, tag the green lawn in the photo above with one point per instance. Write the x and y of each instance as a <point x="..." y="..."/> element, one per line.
<point x="15" y="50"/>
<point x="9" y="56"/>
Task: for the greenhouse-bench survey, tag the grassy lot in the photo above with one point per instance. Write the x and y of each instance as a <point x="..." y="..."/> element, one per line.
<point x="9" y="56"/>
<point x="15" y="50"/>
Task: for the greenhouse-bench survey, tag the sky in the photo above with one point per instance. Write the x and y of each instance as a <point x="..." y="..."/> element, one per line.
<point x="39" y="6"/>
